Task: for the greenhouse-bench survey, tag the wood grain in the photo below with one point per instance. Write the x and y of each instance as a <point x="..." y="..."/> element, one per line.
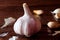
<point x="13" y="8"/>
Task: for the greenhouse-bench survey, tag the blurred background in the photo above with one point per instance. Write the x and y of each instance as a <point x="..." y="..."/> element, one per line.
<point x="13" y="8"/>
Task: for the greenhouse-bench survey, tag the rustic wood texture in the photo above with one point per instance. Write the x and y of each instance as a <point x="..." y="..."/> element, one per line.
<point x="13" y="8"/>
<point x="30" y="2"/>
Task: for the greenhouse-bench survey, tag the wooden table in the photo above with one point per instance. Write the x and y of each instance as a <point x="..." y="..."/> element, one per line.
<point x="12" y="10"/>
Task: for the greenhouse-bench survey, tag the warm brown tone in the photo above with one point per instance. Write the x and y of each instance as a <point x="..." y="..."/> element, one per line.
<point x="14" y="9"/>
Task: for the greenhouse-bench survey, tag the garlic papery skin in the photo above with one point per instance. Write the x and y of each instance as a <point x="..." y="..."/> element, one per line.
<point x="27" y="25"/>
<point x="3" y="34"/>
<point x="56" y="11"/>
<point x="13" y="38"/>
<point x="56" y="32"/>
<point x="8" y="21"/>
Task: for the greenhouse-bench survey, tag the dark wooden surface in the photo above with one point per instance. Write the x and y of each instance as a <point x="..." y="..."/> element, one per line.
<point x="13" y="8"/>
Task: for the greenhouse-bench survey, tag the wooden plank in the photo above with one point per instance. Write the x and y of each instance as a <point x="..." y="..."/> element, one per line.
<point x="30" y="2"/>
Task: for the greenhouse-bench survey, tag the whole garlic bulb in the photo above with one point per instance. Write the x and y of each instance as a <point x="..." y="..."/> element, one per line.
<point x="27" y="24"/>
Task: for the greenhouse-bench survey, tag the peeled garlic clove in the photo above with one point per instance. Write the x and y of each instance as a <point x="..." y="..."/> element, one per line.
<point x="27" y="24"/>
<point x="13" y="38"/>
<point x="38" y="12"/>
<point x="8" y="21"/>
<point x="52" y="24"/>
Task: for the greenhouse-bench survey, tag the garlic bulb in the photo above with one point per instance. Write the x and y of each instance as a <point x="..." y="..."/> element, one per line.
<point x="27" y="24"/>
<point x="8" y="21"/>
<point x="53" y="24"/>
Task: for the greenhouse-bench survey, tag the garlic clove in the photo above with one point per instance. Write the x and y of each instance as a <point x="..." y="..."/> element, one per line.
<point x="53" y="24"/>
<point x="27" y="24"/>
<point x="56" y="32"/>
<point x="56" y="13"/>
<point x="8" y="21"/>
<point x="57" y="16"/>
<point x="13" y="38"/>
<point x="38" y="12"/>
<point x="3" y="34"/>
<point x="56" y="10"/>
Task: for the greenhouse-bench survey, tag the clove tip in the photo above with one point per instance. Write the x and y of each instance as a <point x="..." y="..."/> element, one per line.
<point x="24" y="4"/>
